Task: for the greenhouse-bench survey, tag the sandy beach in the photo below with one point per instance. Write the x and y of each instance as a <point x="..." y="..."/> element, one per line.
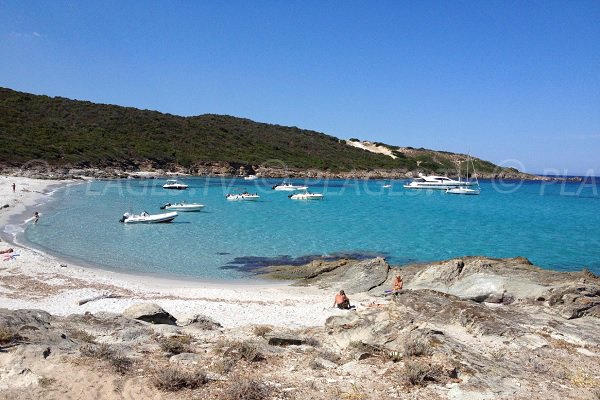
<point x="36" y="280"/>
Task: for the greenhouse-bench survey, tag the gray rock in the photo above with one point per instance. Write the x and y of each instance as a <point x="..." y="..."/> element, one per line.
<point x="200" y="322"/>
<point x="151" y="313"/>
<point x="185" y="359"/>
<point x="282" y="339"/>
<point x="353" y="277"/>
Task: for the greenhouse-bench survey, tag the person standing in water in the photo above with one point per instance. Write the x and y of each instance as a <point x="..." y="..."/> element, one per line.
<point x="36" y="217"/>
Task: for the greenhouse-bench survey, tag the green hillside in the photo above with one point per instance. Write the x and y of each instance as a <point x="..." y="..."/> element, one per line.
<point x="67" y="132"/>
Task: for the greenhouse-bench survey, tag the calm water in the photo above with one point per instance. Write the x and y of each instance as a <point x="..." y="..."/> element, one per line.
<point x="555" y="225"/>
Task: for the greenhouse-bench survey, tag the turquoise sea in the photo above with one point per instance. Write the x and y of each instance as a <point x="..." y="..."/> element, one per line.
<point x="555" y="225"/>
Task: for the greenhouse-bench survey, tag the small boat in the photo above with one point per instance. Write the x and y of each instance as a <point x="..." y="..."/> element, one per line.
<point x="183" y="206"/>
<point x="435" y="182"/>
<point x="242" y="196"/>
<point x="463" y="190"/>
<point x="145" y="218"/>
<point x="173" y="184"/>
<point x="387" y="186"/>
<point x="250" y="177"/>
<point x="306" y="196"/>
<point x="288" y="187"/>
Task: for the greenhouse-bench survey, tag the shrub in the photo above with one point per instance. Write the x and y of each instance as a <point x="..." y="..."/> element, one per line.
<point x="418" y="373"/>
<point x="223" y="365"/>
<point x="262" y="330"/>
<point x="172" y="379"/>
<point x="176" y="344"/>
<point x="81" y="335"/>
<point x="247" y="389"/>
<point x="311" y="341"/>
<point x="417" y="345"/>
<point x="7" y="336"/>
<point x="119" y="363"/>
<point x="247" y="350"/>
<point x="99" y="351"/>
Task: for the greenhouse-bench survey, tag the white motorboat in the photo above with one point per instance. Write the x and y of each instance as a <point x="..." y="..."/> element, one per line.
<point x="173" y="184"/>
<point x="288" y="187"/>
<point x="183" y="206"/>
<point x="306" y="196"/>
<point x="242" y="196"/>
<point x="435" y="182"/>
<point x="387" y="186"/>
<point x="250" y="177"/>
<point x="145" y="218"/>
<point x="463" y="190"/>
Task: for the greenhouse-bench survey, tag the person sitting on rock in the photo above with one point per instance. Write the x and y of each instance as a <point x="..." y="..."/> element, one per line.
<point x="397" y="283"/>
<point x="342" y="301"/>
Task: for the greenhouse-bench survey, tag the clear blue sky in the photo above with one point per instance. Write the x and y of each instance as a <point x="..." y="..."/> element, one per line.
<point x="500" y="79"/>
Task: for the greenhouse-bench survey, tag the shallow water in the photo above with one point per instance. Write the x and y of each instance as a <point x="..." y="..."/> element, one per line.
<point x="555" y="225"/>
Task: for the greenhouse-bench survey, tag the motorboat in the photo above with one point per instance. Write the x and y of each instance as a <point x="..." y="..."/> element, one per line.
<point x="435" y="182"/>
<point x="250" y="177"/>
<point x="463" y="190"/>
<point x="145" y="218"/>
<point x="173" y="184"/>
<point x="387" y="186"/>
<point x="183" y="206"/>
<point x="288" y="187"/>
<point x="306" y="196"/>
<point x="242" y="196"/>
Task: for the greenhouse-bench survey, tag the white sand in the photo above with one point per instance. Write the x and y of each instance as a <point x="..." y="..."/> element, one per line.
<point x="37" y="280"/>
<point x="372" y="147"/>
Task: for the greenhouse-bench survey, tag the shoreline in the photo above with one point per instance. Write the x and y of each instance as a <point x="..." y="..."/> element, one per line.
<point x="35" y="279"/>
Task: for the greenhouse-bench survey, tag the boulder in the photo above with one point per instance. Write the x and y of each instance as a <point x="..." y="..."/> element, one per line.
<point x="200" y="322"/>
<point x="151" y="313"/>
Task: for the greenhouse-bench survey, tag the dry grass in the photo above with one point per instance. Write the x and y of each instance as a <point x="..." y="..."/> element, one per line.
<point x="417" y="345"/>
<point x="419" y="373"/>
<point x="172" y="379"/>
<point x="248" y="350"/>
<point x="247" y="389"/>
<point x="8" y="336"/>
<point x="176" y="344"/>
<point x="81" y="336"/>
<point x="223" y="366"/>
<point x="119" y="363"/>
<point x="261" y="330"/>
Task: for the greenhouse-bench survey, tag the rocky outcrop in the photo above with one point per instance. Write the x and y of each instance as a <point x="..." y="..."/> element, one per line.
<point x="149" y="312"/>
<point x="350" y="275"/>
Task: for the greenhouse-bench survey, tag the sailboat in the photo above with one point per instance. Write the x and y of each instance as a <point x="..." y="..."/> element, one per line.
<point x="466" y="190"/>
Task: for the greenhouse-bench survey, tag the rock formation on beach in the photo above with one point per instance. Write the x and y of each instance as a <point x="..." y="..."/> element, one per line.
<point x="471" y="328"/>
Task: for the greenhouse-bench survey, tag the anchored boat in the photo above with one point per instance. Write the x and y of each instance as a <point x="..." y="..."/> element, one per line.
<point x="145" y="218"/>
<point x="183" y="206"/>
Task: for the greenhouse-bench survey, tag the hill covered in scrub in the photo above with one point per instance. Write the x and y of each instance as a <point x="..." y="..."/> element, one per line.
<point x="72" y="133"/>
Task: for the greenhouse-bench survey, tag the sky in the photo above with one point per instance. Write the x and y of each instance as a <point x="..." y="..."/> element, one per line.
<point x="513" y="82"/>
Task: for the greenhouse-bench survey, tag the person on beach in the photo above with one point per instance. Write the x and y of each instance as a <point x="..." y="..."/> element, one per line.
<point x="7" y="251"/>
<point x="397" y="283"/>
<point x="36" y="217"/>
<point x="342" y="301"/>
<point x="14" y="186"/>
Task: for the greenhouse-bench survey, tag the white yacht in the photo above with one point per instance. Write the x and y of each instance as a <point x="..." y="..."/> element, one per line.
<point x="183" y="206"/>
<point x="306" y="196"/>
<point x="435" y="182"/>
<point x="288" y="187"/>
<point x="145" y="218"/>
<point x="173" y="184"/>
<point x="242" y="196"/>
<point x="250" y="177"/>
